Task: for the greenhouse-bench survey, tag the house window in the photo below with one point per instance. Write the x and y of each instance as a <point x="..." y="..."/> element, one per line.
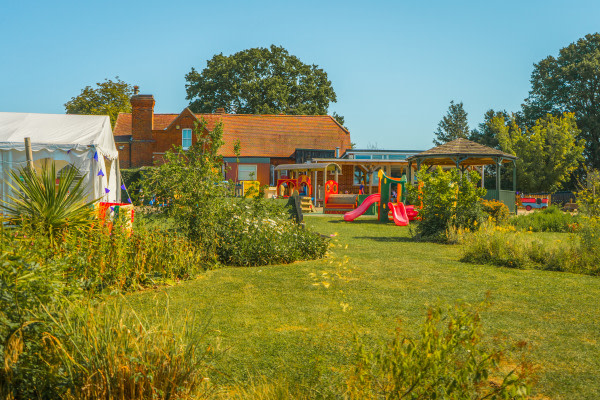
<point x="186" y="138"/>
<point x="361" y="177"/>
<point x="247" y="172"/>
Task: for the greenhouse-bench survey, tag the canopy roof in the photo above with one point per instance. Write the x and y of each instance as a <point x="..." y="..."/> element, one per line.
<point x="305" y="167"/>
<point x="57" y="132"/>
<point x="464" y="152"/>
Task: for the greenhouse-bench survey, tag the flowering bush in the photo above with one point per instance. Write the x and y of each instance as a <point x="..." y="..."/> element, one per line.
<point x="229" y="230"/>
<point x="257" y="232"/>
<point x="497" y="210"/>
<point x="450" y="200"/>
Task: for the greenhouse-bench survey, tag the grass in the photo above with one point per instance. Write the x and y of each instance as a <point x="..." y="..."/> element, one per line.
<point x="293" y="323"/>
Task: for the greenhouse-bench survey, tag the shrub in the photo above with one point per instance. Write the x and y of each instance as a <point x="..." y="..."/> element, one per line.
<point x="503" y="246"/>
<point x="447" y="361"/>
<point x="257" y="233"/>
<point x="588" y="197"/>
<point x="450" y="200"/>
<point x="497" y="210"/>
<point x="232" y="231"/>
<point x="41" y="204"/>
<point x="550" y="219"/>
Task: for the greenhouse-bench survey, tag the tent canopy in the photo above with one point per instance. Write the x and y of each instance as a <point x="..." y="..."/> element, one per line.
<point x="84" y="141"/>
<point x="57" y="132"/>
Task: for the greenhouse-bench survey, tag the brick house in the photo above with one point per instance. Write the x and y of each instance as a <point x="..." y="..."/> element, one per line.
<point x="142" y="137"/>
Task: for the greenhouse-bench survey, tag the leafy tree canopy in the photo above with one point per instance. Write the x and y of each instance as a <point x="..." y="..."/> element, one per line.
<point x="260" y="81"/>
<point x="453" y="125"/>
<point x="548" y="152"/>
<point x="487" y="134"/>
<point x="107" y="98"/>
<point x="570" y="83"/>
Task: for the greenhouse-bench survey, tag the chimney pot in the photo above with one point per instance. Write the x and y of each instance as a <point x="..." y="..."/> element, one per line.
<point x="220" y="110"/>
<point x="136" y="89"/>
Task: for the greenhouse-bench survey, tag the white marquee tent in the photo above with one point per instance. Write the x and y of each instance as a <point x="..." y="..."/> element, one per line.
<point x="84" y="141"/>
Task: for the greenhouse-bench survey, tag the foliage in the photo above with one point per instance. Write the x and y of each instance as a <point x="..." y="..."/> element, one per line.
<point x="259" y="233"/>
<point x="504" y="246"/>
<point x="548" y="152"/>
<point x="49" y="208"/>
<point x="25" y="285"/>
<point x="446" y="361"/>
<point x="588" y="197"/>
<point x="453" y="125"/>
<point x="110" y="351"/>
<point x="259" y="81"/>
<point x="569" y="83"/>
<point x="232" y="231"/>
<point x="487" y="133"/>
<point x="550" y="219"/>
<point x="450" y="199"/>
<point x="108" y="98"/>
<point x="497" y="210"/>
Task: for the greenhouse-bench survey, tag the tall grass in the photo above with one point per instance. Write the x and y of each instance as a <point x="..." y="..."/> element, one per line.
<point x="551" y="219"/>
<point x="110" y="352"/>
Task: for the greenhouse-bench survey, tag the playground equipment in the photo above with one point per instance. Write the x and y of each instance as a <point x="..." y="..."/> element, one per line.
<point x="287" y="186"/>
<point x="250" y="188"/>
<point x="400" y="214"/>
<point x="530" y="202"/>
<point x="336" y="203"/>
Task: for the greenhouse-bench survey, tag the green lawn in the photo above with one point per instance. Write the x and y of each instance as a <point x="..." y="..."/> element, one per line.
<point x="282" y="320"/>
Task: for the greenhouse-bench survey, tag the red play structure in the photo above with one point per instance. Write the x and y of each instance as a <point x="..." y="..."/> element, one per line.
<point x="286" y="186"/>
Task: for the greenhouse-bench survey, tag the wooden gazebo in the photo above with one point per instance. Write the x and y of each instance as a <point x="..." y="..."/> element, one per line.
<point x="462" y="153"/>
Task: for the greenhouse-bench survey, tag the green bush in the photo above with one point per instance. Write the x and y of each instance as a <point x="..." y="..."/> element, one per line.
<point x="228" y="230"/>
<point x="504" y="246"/>
<point x="550" y="219"/>
<point x="496" y="210"/>
<point x="259" y="232"/>
<point x="446" y="361"/>
<point x="450" y="200"/>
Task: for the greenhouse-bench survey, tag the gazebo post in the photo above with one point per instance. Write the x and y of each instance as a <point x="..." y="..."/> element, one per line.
<point x="483" y="176"/>
<point x="409" y="172"/>
<point x="324" y="184"/>
<point x="498" y="165"/>
<point x="371" y="170"/>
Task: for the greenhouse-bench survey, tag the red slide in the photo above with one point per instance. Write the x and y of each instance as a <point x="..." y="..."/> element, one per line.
<point x="360" y="210"/>
<point x="399" y="213"/>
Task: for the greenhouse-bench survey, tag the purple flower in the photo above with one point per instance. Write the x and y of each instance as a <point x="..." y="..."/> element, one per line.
<point x="106" y="190"/>
<point x="129" y="200"/>
<point x="100" y="173"/>
<point x="123" y="186"/>
<point x="96" y="156"/>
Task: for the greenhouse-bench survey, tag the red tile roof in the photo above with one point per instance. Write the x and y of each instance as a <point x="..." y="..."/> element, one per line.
<point x="262" y="135"/>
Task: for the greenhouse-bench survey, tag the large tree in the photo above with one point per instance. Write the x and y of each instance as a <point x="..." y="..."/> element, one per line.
<point x="570" y="83"/>
<point x="260" y="81"/>
<point x="107" y="98"/>
<point x="486" y="134"/>
<point x="453" y="125"/>
<point x="548" y="152"/>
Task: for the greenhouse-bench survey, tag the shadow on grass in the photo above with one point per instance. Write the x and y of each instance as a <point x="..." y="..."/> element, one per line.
<point x="401" y="239"/>
<point x="355" y="222"/>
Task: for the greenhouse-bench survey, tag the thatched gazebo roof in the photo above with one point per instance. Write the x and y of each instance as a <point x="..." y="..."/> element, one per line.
<point x="461" y="152"/>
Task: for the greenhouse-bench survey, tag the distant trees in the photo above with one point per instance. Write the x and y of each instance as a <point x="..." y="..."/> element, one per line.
<point x="548" y="152"/>
<point x="260" y="81"/>
<point x="453" y="125"/>
<point x="570" y="83"/>
<point x="107" y="98"/>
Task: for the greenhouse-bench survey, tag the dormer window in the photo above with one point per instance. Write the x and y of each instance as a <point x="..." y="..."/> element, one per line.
<point x="186" y="138"/>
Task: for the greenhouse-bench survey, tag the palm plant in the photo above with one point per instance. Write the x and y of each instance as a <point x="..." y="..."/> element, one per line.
<point x="41" y="204"/>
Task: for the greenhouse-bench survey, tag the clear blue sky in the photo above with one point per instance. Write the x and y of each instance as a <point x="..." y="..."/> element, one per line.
<point x="395" y="65"/>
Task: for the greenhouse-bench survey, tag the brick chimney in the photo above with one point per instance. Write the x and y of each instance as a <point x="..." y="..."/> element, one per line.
<point x="220" y="110"/>
<point x="142" y="116"/>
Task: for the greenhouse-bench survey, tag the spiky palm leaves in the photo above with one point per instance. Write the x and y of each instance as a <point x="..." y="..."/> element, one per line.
<point x="45" y="206"/>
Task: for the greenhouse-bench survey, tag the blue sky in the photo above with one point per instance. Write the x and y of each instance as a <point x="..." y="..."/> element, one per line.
<point x="395" y="65"/>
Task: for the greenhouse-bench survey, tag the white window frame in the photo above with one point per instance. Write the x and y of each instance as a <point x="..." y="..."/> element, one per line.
<point x="186" y="140"/>
<point x="250" y="169"/>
